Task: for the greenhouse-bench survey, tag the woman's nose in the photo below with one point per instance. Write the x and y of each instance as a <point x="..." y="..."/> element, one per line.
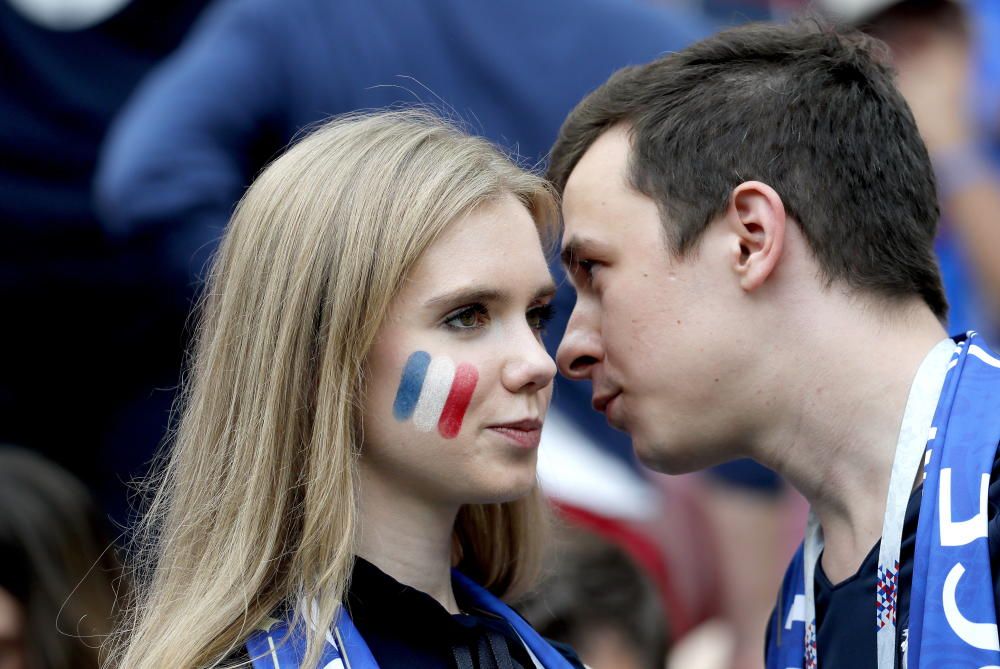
<point x="530" y="368"/>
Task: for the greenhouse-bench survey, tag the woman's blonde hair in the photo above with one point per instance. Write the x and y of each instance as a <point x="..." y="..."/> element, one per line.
<point x="256" y="505"/>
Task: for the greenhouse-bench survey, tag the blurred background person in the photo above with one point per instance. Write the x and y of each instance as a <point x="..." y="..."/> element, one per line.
<point x="59" y="576"/>
<point x="600" y="601"/>
<point x="604" y="594"/>
<point x="88" y="331"/>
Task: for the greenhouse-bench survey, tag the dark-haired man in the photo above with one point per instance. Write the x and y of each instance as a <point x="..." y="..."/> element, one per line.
<point x="749" y="226"/>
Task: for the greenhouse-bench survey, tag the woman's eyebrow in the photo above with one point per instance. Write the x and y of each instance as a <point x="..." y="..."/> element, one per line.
<point x="484" y="294"/>
<point x="547" y="290"/>
<point x="466" y="294"/>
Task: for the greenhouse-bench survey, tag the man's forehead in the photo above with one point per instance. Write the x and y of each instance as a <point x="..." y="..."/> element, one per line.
<point x="594" y="186"/>
<point x="598" y="198"/>
<point x="602" y="168"/>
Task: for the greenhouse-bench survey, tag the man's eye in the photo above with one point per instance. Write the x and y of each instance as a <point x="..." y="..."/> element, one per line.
<point x="585" y="269"/>
<point x="467" y="318"/>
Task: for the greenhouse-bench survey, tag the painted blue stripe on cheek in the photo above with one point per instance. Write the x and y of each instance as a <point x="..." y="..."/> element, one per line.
<point x="410" y="384"/>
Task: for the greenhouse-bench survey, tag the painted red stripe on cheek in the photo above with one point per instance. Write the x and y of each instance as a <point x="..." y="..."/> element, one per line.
<point x="466" y="377"/>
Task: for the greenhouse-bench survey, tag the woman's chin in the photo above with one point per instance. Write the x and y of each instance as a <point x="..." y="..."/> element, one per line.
<point x="507" y="490"/>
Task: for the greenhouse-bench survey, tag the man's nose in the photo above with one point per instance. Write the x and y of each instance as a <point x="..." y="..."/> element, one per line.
<point x="581" y="347"/>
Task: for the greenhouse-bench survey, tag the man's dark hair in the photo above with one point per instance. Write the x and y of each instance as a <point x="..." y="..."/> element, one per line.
<point x="808" y="109"/>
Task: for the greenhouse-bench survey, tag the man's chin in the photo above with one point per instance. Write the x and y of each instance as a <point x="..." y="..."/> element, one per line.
<point x="668" y="459"/>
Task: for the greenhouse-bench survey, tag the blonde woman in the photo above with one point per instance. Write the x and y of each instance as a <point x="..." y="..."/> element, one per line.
<point x="361" y="417"/>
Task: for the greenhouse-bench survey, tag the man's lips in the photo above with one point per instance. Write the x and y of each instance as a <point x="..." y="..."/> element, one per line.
<point x="600" y="402"/>
<point x="526" y="432"/>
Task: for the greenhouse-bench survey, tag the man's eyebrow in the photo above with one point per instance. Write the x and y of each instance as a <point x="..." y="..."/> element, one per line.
<point x="570" y="251"/>
<point x="576" y="247"/>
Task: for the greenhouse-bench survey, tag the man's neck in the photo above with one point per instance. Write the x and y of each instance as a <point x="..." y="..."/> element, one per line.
<point x="834" y="436"/>
<point x="408" y="538"/>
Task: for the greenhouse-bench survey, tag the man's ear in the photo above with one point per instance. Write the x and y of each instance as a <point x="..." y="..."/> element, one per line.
<point x="757" y="219"/>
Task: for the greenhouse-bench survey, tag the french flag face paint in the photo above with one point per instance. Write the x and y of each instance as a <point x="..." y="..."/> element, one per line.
<point x="434" y="392"/>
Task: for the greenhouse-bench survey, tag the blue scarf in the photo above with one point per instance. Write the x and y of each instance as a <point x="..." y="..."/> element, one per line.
<point x="275" y="648"/>
<point x="952" y="612"/>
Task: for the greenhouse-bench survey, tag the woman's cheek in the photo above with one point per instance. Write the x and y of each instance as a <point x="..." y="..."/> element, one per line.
<point x="434" y="392"/>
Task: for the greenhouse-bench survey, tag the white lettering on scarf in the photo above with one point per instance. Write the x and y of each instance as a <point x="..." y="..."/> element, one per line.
<point x="965" y="531"/>
<point x="978" y="635"/>
<point x="797" y="613"/>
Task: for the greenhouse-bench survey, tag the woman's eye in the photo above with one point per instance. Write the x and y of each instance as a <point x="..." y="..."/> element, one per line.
<point x="539" y="317"/>
<point x="467" y="318"/>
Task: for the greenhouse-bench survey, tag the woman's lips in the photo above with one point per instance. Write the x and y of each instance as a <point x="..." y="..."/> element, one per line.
<point x="524" y="433"/>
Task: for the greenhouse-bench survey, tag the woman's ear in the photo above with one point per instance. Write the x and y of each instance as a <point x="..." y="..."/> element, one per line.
<point x="757" y="220"/>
